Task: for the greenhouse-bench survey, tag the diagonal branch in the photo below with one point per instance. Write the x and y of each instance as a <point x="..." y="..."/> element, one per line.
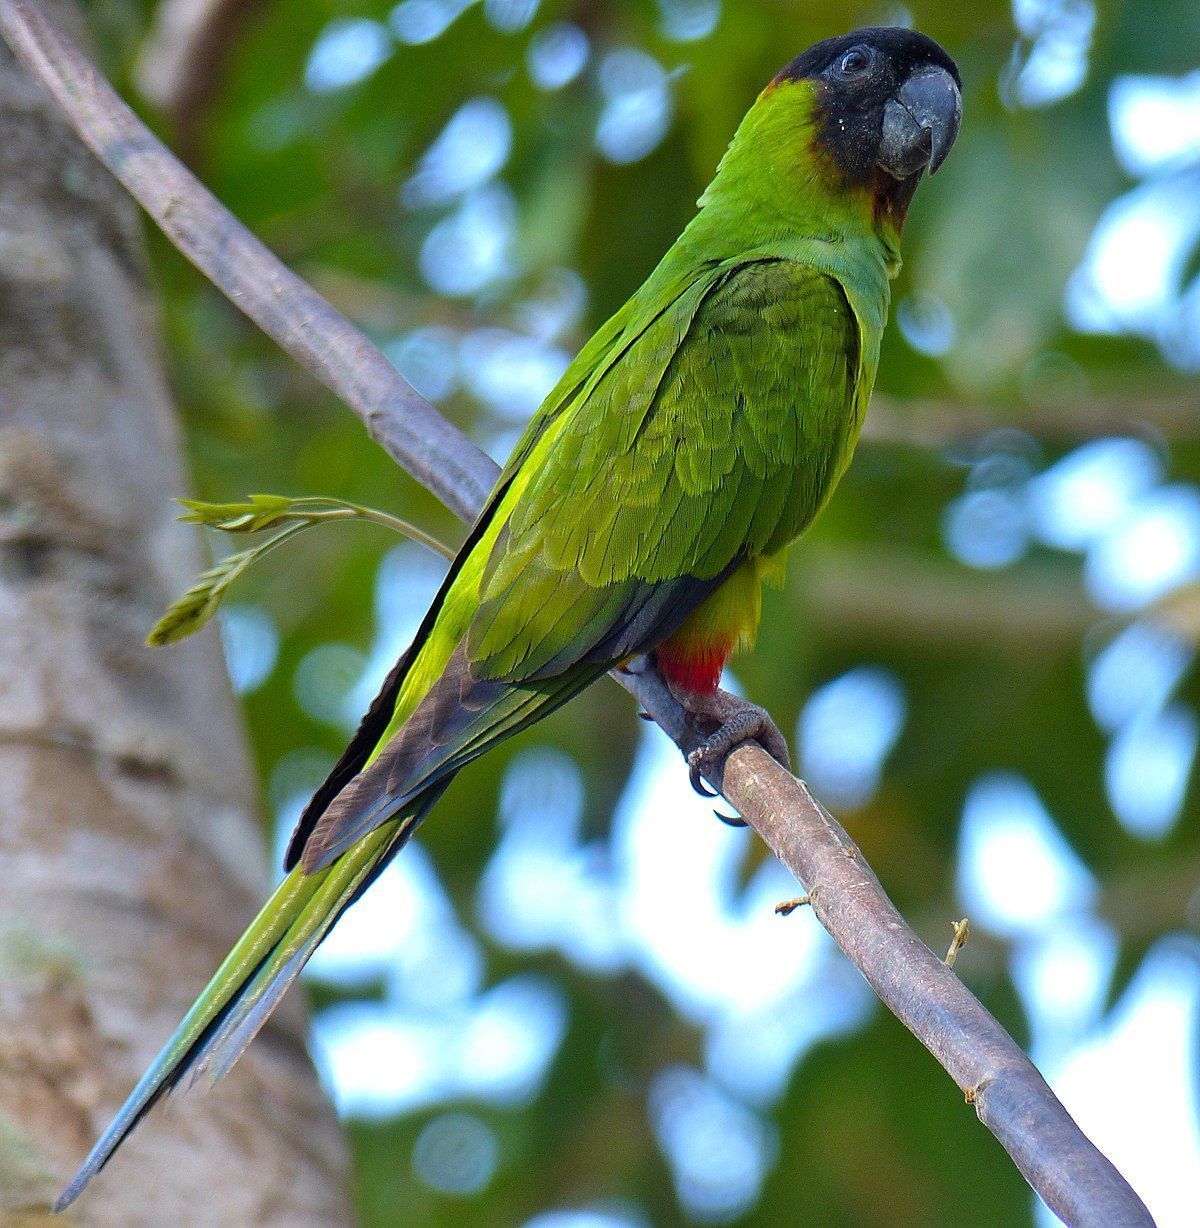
<point x="321" y="339"/>
<point x="1009" y="1095"/>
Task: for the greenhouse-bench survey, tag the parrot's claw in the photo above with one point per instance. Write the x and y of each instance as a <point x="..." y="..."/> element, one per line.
<point x="737" y="721"/>
<point x="695" y="766"/>
<point x="730" y="820"/>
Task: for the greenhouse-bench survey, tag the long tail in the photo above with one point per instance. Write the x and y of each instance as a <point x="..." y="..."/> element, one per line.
<point x="255" y="975"/>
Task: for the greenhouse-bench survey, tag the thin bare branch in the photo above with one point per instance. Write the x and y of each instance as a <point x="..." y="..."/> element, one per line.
<point x="1008" y="1093"/>
<point x="322" y="340"/>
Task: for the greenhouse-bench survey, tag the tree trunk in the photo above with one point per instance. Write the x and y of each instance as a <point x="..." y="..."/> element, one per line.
<point x="130" y="855"/>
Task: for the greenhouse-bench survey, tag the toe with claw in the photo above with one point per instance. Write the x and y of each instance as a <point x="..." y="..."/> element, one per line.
<point x="736" y="721"/>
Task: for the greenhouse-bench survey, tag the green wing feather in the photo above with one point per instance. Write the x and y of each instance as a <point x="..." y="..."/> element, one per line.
<point x="703" y="448"/>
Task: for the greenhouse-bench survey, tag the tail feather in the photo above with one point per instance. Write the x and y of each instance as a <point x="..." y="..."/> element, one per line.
<point x="275" y="975"/>
<point x="459" y="719"/>
<point x="249" y="984"/>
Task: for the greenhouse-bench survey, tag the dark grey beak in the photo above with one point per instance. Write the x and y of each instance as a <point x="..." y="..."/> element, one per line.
<point x="920" y="123"/>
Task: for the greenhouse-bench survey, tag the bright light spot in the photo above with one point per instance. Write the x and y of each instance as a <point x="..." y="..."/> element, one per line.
<point x="1147" y="768"/>
<point x="1136" y="672"/>
<point x="406" y="902"/>
<point x="455" y="1154"/>
<point x="251" y="643"/>
<point x="405" y="585"/>
<point x="556" y="307"/>
<point x="1154" y="550"/>
<point x="1131" y="1086"/>
<point x="753" y="1054"/>
<point x="724" y="961"/>
<point x="1090" y="491"/>
<point x="1155" y="122"/>
<point x="719" y="1151"/>
<point x="437" y="968"/>
<point x="512" y="1038"/>
<point x="1135" y="259"/>
<point x="586" y="1218"/>
<point x="1055" y="63"/>
<point x="1015" y="870"/>
<point x="926" y="323"/>
<point x="637" y="105"/>
<point x="510" y="373"/>
<point x="377" y="1062"/>
<point x="1062" y="975"/>
<point x="546" y="785"/>
<point x="1179" y="338"/>
<point x="346" y="52"/>
<point x="421" y="21"/>
<point x="847" y="730"/>
<point x="509" y="16"/>
<point x="380" y="1058"/>
<point x="557" y="55"/>
<point x="470" y="150"/>
<point x="986" y="528"/>
<point x="469" y="250"/>
<point x="542" y="889"/>
<point x="325" y="681"/>
<point x="724" y="952"/>
<point x="428" y="359"/>
<point x="686" y="21"/>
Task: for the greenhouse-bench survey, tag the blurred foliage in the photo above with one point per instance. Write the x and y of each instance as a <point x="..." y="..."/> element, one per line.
<point x="991" y="659"/>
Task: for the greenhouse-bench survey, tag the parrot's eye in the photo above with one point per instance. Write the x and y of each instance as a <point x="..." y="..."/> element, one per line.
<point x="854" y="63"/>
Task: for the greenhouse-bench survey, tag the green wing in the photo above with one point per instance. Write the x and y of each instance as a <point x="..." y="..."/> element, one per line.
<point x="714" y="440"/>
<point x="709" y="436"/>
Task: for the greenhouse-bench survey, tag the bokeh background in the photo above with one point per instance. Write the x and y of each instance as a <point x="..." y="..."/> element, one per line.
<point x="570" y="1005"/>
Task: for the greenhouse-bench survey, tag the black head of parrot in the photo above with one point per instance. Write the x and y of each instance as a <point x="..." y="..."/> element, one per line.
<point x="888" y="98"/>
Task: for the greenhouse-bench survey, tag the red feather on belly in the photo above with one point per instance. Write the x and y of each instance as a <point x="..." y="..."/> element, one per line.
<point x="694" y="665"/>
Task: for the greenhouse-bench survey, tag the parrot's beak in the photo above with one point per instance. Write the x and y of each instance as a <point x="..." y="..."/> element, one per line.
<point x="920" y="123"/>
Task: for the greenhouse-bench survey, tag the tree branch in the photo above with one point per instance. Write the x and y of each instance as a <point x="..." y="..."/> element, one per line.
<point x="1008" y="1093"/>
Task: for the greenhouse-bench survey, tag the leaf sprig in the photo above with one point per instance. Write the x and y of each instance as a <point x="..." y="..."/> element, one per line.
<point x="188" y="613"/>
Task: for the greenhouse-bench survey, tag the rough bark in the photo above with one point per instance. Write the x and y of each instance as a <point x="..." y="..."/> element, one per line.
<point x="130" y="855"/>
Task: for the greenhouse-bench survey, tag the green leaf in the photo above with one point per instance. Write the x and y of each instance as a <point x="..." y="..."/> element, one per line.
<point x="190" y="612"/>
<point x="264" y="511"/>
<point x="256" y="513"/>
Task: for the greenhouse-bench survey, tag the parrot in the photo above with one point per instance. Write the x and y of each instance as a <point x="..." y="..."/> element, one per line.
<point x="661" y="483"/>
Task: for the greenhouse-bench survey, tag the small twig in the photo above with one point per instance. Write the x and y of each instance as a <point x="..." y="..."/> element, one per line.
<point x="962" y="931"/>
<point x="787" y="907"/>
<point x="1078" y="1183"/>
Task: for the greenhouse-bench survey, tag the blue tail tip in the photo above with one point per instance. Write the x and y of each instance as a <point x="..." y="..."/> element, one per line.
<point x="72" y="1192"/>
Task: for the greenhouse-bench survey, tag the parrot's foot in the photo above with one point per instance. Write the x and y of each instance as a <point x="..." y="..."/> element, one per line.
<point x="737" y="721"/>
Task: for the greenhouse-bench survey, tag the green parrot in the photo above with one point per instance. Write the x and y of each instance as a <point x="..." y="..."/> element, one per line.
<point x="660" y="484"/>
